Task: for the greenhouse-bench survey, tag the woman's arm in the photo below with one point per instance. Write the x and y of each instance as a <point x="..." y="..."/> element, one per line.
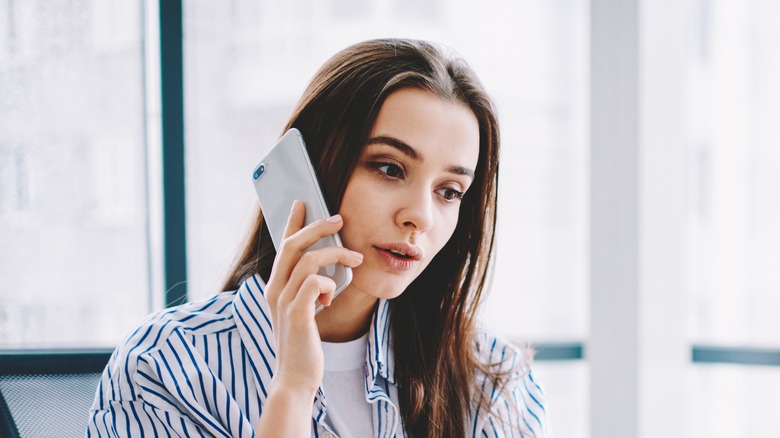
<point x="293" y="291"/>
<point x="286" y="412"/>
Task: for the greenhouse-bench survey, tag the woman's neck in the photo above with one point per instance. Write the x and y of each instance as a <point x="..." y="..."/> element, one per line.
<point x="347" y="318"/>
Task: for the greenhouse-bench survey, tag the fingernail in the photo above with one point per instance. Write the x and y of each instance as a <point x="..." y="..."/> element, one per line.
<point x="357" y="254"/>
<point x="336" y="218"/>
<point x="295" y="204"/>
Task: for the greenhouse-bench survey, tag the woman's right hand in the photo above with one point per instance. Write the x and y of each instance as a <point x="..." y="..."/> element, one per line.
<point x="293" y="290"/>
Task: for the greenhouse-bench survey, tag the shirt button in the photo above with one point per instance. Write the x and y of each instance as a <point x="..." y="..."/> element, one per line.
<point x="327" y="434"/>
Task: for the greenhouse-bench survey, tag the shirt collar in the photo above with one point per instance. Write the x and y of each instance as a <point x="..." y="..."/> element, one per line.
<point x="379" y="355"/>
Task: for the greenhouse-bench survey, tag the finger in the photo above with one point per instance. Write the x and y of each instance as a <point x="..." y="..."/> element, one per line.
<point x="296" y="219"/>
<point x="310" y="264"/>
<point x="295" y="245"/>
<point x="283" y="265"/>
<point x="316" y="288"/>
<point x="312" y="233"/>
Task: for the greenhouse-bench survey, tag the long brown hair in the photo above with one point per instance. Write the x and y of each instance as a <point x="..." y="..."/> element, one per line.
<point x="433" y="321"/>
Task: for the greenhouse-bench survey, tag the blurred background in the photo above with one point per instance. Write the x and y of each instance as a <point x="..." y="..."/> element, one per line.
<point x="82" y="192"/>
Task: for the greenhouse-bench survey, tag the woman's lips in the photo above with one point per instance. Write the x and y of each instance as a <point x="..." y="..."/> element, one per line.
<point x="395" y="261"/>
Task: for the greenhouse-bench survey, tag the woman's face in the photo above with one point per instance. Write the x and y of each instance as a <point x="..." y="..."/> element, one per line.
<point x="402" y="201"/>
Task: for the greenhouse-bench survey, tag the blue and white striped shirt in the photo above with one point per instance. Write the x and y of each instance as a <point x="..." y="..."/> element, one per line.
<point x="204" y="369"/>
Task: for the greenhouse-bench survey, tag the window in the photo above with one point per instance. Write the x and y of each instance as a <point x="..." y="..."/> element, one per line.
<point x="74" y="252"/>
<point x="733" y="237"/>
<point x="734" y="162"/>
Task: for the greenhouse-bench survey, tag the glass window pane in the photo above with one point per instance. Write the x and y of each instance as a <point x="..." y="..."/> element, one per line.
<point x="728" y="401"/>
<point x="73" y="258"/>
<point x="567" y="388"/>
<point x="734" y="162"/>
<point x="540" y="83"/>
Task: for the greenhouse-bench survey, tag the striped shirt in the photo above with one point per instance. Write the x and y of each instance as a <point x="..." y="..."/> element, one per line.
<point x="204" y="368"/>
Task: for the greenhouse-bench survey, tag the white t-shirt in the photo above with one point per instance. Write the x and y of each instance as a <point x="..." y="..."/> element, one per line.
<point x="348" y="412"/>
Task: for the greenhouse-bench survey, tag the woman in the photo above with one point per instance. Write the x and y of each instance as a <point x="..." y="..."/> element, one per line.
<point x="405" y="142"/>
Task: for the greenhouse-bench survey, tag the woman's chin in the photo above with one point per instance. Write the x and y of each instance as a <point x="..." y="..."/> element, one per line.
<point x="379" y="289"/>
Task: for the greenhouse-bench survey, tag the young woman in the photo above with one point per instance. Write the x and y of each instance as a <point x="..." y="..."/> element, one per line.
<point x="405" y="142"/>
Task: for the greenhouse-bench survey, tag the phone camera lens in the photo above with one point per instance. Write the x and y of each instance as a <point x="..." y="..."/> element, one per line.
<point x="259" y="172"/>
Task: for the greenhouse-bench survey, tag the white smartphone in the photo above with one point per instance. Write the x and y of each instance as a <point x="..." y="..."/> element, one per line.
<point x="284" y="175"/>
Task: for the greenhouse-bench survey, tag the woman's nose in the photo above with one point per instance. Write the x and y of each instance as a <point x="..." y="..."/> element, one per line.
<point x="416" y="211"/>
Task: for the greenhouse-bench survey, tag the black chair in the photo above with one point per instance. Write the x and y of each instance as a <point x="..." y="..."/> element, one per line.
<point x="48" y="393"/>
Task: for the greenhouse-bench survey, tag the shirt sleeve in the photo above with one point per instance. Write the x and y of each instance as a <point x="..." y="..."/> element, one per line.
<point x="137" y="418"/>
<point x="125" y="408"/>
<point x="145" y="395"/>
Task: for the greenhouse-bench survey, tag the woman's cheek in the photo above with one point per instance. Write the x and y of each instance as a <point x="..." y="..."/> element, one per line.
<point x="447" y="230"/>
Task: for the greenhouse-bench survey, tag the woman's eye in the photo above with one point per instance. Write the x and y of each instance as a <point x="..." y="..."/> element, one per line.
<point x="389" y="169"/>
<point x="451" y="195"/>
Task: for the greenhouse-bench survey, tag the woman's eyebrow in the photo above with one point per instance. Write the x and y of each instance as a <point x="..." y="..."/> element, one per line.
<point x="398" y="144"/>
<point x="460" y="170"/>
<point x="413" y="154"/>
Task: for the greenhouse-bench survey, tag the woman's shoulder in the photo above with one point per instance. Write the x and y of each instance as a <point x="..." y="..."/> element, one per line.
<point x="501" y="355"/>
<point x="167" y="328"/>
<point x="199" y="317"/>
<point x="507" y="382"/>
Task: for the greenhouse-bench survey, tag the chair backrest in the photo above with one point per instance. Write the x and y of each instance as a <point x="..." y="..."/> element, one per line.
<point x="48" y="393"/>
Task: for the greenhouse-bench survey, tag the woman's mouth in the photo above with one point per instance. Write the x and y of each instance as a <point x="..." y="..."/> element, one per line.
<point x="399" y="257"/>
